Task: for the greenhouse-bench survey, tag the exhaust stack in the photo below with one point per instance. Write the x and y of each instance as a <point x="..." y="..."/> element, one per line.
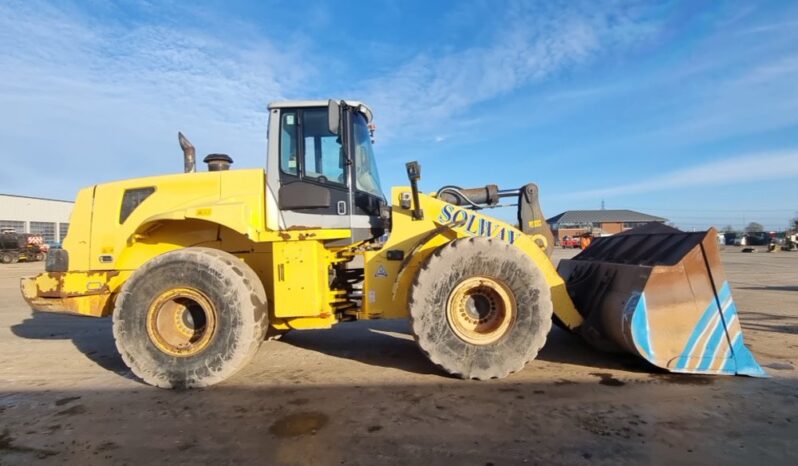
<point x="189" y="154"/>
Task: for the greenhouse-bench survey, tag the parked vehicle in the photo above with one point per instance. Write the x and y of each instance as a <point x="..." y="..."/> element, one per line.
<point x="731" y="238"/>
<point x="790" y="242"/>
<point x="15" y="247"/>
<point x="757" y="238"/>
<point x="569" y="242"/>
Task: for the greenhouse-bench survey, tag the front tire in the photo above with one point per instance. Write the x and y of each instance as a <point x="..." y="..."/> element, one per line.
<point x="190" y="318"/>
<point x="480" y="308"/>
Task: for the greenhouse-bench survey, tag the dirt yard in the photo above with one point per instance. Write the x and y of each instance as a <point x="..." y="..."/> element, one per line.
<point x="363" y="394"/>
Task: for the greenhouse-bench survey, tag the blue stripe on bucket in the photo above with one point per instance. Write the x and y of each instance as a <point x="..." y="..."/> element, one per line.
<point x="710" y="321"/>
<point x="711" y="347"/>
<point x="698" y="330"/>
<point x="738" y="357"/>
<point x="744" y="362"/>
<point x="641" y="331"/>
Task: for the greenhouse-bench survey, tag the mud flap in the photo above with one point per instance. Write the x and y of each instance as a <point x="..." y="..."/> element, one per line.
<point x="660" y="294"/>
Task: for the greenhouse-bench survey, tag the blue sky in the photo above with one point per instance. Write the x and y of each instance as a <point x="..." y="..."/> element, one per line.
<point x="688" y="110"/>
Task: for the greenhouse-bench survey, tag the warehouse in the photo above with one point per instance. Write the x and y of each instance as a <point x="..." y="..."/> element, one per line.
<point x="574" y="223"/>
<point x="25" y="214"/>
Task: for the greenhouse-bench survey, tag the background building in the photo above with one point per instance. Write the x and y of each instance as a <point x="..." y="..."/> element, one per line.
<point x="47" y="217"/>
<point x="598" y="222"/>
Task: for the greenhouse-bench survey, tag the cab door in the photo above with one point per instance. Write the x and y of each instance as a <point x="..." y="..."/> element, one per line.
<point x="314" y="173"/>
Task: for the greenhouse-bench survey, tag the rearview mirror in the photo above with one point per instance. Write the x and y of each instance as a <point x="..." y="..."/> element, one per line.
<point x="333" y="116"/>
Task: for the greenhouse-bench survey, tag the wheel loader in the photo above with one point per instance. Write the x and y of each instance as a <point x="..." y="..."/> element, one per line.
<point x="198" y="268"/>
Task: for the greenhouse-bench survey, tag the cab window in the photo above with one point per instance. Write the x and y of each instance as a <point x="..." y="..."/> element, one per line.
<point x="323" y="156"/>
<point x="288" y="146"/>
<point x="366" y="175"/>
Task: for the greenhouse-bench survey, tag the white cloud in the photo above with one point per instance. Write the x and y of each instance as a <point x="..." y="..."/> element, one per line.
<point x="437" y="85"/>
<point x="740" y="169"/>
<point x="775" y="27"/>
<point x="91" y="100"/>
<point x="760" y="98"/>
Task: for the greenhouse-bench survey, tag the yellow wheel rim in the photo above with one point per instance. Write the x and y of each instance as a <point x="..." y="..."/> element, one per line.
<point x="480" y="310"/>
<point x="181" y="322"/>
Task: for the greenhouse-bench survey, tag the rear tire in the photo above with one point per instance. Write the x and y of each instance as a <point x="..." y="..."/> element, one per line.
<point x="479" y="279"/>
<point x="190" y="318"/>
<point x="6" y="258"/>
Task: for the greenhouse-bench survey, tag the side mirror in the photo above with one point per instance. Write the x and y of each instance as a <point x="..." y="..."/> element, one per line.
<point x="333" y="116"/>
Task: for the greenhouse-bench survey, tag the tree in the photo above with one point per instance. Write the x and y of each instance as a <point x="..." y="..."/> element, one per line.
<point x="794" y="222"/>
<point x="727" y="229"/>
<point x="754" y="227"/>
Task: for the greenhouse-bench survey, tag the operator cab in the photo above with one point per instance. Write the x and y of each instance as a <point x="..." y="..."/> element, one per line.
<point x="321" y="170"/>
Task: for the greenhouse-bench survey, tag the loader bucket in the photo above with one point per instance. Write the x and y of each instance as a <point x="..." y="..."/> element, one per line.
<point x="661" y="294"/>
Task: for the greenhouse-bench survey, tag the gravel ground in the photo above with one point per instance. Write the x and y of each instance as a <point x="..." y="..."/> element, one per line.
<point x="362" y="393"/>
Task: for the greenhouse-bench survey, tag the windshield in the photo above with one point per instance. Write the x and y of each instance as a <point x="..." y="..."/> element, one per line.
<point x="366" y="176"/>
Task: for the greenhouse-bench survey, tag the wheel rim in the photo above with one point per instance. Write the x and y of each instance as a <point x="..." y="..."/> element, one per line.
<point x="181" y="322"/>
<point x="480" y="310"/>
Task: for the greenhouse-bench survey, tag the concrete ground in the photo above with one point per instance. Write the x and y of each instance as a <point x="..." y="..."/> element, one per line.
<point x="363" y="394"/>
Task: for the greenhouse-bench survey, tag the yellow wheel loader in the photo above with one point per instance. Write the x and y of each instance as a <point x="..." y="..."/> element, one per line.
<point x="197" y="269"/>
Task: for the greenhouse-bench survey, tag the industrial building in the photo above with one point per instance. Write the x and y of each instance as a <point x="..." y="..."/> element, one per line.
<point x="26" y="214"/>
<point x="574" y="223"/>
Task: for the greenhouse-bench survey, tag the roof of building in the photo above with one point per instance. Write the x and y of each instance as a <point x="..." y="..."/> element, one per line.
<point x="37" y="198"/>
<point x="603" y="216"/>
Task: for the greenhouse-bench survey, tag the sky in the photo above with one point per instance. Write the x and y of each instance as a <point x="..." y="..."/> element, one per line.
<point x="686" y="110"/>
